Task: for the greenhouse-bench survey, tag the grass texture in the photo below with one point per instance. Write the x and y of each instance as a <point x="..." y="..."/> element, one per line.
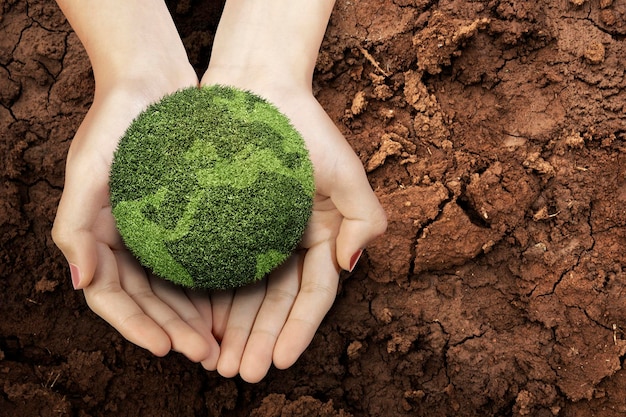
<point x="211" y="187"/>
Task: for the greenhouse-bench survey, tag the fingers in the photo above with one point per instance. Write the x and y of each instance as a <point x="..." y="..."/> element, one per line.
<point x="84" y="195"/>
<point x="86" y="191"/>
<point x="340" y="175"/>
<point x="127" y="317"/>
<point x="363" y="216"/>
<point x="243" y="312"/>
<point x="221" y="303"/>
<point x="157" y="317"/>
<point x="320" y="278"/>
<point x="182" y="336"/>
<point x="202" y="302"/>
<point x="179" y="316"/>
<point x="282" y="288"/>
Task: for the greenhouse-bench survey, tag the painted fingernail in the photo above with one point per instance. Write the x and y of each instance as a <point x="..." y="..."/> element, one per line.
<point x="75" y="273"/>
<point x="355" y="258"/>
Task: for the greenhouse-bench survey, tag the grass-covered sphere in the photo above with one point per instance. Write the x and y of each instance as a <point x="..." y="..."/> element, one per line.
<point x="211" y="187"/>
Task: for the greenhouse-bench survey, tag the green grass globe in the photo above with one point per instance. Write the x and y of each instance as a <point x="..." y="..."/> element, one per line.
<point x="211" y="187"/>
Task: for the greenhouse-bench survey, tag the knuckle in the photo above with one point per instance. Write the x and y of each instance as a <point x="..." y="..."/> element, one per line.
<point x="279" y="296"/>
<point x="98" y="297"/>
<point x="60" y="234"/>
<point x="379" y="222"/>
<point x="322" y="291"/>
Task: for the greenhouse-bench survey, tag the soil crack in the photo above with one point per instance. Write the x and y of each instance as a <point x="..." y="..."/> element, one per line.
<point x="424" y="227"/>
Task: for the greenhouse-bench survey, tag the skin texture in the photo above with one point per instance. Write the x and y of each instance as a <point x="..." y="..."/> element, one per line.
<point x="236" y="332"/>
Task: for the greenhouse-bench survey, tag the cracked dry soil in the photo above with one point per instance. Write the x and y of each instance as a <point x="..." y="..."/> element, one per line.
<point x="494" y="133"/>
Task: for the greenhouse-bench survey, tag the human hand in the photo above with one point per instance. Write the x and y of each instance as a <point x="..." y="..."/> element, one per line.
<point x="271" y="49"/>
<point x="145" y="310"/>
<point x="137" y="58"/>
<point x="275" y="320"/>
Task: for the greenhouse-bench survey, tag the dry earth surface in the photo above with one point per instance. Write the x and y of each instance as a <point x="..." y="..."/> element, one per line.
<point x="494" y="133"/>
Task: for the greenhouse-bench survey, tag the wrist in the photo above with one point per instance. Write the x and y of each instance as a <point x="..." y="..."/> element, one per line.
<point x="129" y="42"/>
<point x="271" y="45"/>
<point x="151" y="82"/>
<point x="149" y="70"/>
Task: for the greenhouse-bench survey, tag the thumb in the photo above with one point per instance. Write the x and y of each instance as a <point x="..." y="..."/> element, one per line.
<point x="363" y="216"/>
<point x="84" y="195"/>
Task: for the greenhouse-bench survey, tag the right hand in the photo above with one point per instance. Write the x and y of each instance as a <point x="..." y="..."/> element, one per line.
<point x="146" y="310"/>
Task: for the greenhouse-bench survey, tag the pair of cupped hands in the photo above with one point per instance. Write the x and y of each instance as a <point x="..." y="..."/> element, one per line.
<point x="241" y="331"/>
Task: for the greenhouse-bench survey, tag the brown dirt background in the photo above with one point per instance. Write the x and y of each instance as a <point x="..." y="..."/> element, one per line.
<point x="494" y="133"/>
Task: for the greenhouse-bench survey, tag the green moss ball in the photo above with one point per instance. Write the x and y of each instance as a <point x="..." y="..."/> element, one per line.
<point x="211" y="187"/>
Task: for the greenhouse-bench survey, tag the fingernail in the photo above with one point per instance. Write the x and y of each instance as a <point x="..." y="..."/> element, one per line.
<point x="355" y="258"/>
<point x="75" y="273"/>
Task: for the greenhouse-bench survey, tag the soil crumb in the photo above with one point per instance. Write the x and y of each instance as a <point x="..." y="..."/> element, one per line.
<point x="494" y="134"/>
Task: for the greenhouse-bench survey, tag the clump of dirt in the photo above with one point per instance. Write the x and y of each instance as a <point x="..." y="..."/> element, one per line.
<point x="493" y="133"/>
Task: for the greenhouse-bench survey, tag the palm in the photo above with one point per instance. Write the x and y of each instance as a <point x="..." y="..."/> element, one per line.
<point x="147" y="311"/>
<point x="271" y="321"/>
<point x="276" y="319"/>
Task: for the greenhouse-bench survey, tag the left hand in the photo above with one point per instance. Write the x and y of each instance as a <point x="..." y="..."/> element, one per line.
<point x="275" y="319"/>
<point x="270" y="48"/>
